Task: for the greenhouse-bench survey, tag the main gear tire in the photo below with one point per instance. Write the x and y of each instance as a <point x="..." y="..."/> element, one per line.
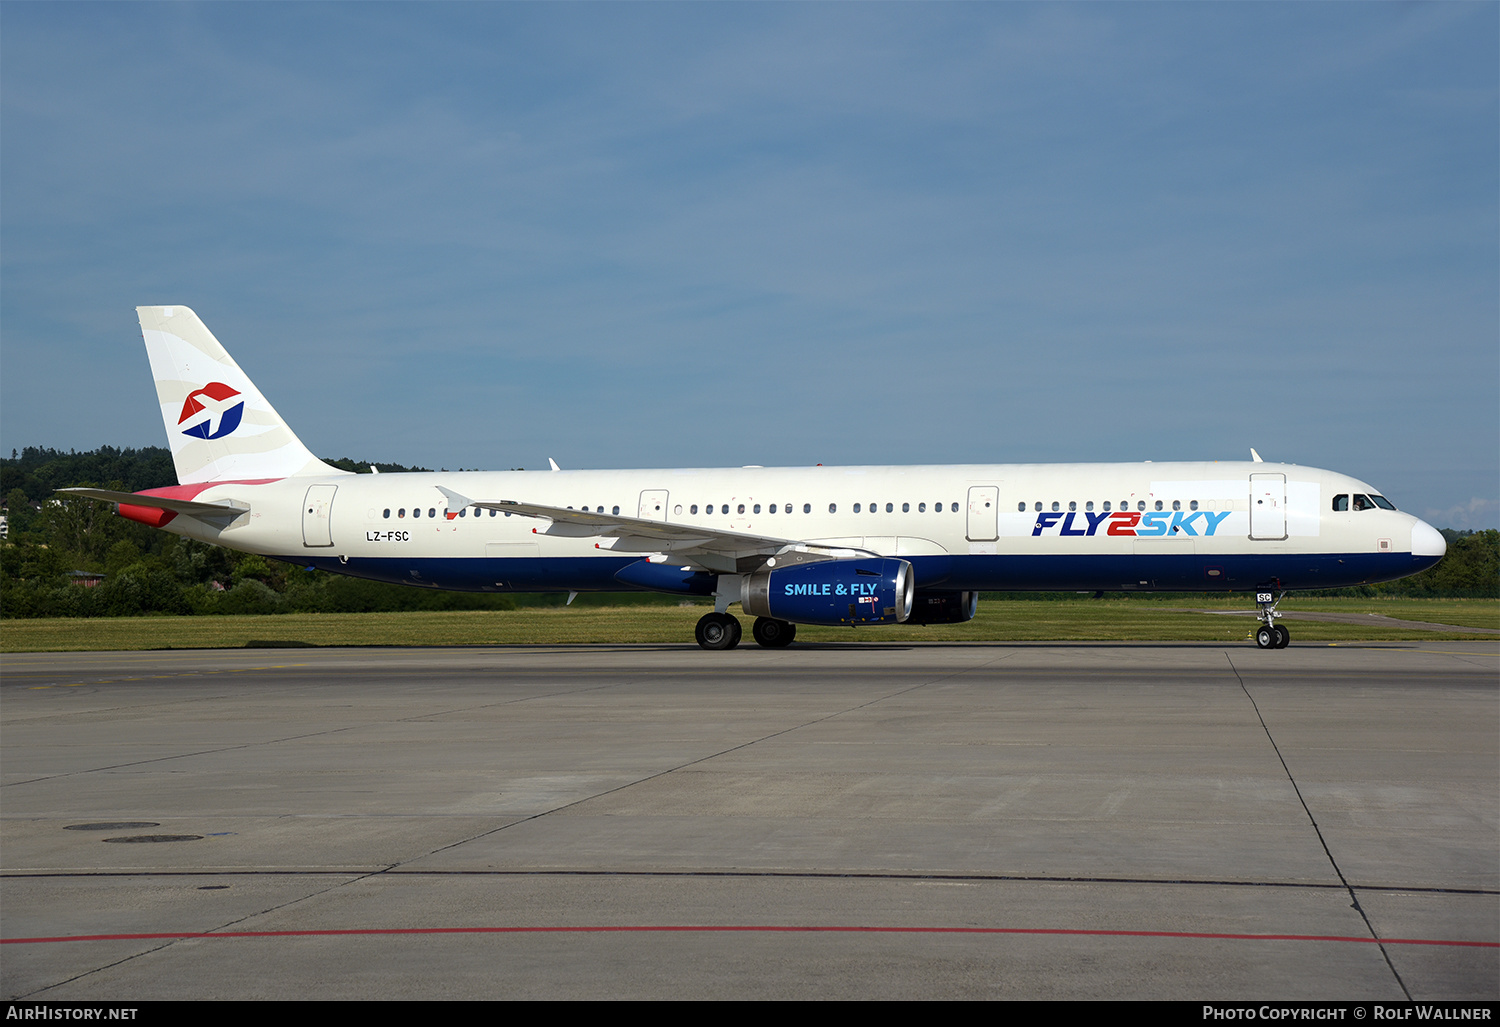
<point x="718" y="631"/>
<point x="771" y="633"/>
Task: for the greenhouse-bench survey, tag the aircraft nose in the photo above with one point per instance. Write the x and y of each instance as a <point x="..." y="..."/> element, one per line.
<point x="1427" y="541"/>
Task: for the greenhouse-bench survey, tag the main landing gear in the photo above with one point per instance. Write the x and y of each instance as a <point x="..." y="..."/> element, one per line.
<point x="1270" y="635"/>
<point x="771" y="633"/>
<point x="723" y="631"/>
<point x="718" y="631"/>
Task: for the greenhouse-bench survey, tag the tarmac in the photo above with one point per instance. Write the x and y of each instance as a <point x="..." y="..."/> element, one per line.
<point x="981" y="820"/>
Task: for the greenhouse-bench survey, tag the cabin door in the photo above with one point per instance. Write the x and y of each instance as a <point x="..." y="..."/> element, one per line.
<point x="1268" y="506"/>
<point x="316" y="530"/>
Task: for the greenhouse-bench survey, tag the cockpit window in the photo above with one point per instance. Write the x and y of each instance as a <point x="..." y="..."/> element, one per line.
<point x="1341" y="502"/>
<point x="1382" y="502"/>
<point x="1362" y="502"/>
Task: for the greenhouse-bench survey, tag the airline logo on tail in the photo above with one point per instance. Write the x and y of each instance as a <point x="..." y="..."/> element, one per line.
<point x="216" y="395"/>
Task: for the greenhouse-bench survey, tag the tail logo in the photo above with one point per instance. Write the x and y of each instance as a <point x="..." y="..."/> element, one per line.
<point x="212" y="399"/>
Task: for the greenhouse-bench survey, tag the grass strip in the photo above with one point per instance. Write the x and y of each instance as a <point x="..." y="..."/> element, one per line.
<point x="1089" y="620"/>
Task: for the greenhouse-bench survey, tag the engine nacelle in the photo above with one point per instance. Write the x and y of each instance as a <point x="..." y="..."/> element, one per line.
<point x="872" y="590"/>
<point x="943" y="607"/>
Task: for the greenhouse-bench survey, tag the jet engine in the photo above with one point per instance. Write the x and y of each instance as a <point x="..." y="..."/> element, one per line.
<point x="870" y="590"/>
<point x="931" y="607"/>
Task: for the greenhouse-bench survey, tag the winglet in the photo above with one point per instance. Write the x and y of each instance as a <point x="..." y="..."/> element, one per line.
<point x="1255" y="456"/>
<point x="554" y="464"/>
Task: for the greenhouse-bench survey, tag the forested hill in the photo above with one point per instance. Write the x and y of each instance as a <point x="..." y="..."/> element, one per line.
<point x="37" y="471"/>
<point x="150" y="571"/>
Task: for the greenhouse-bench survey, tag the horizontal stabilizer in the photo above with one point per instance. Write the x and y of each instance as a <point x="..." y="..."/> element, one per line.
<point x="158" y="511"/>
<point x="191" y="507"/>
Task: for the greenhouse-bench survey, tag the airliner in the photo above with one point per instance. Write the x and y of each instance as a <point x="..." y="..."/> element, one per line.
<point x="791" y="545"/>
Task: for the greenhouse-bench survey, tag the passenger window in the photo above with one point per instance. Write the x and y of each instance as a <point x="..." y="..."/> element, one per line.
<point x="889" y="508"/>
<point x="387" y="514"/>
<point x="1106" y="506"/>
<point x="741" y="507"/>
<point x="833" y="508"/>
<point x="616" y="510"/>
<point x="1158" y="504"/>
<point x="955" y="508"/>
<point x="1193" y="505"/>
<point x="1056" y="507"/>
<point x="1020" y="508"/>
<point x="1176" y="504"/>
<point x="756" y="510"/>
<point x="431" y="512"/>
<point x="1341" y="502"/>
<point x="1140" y="504"/>
<point x="1039" y="508"/>
<point x="1072" y="507"/>
<point x="463" y="511"/>
<point x="724" y="508"/>
<point x="401" y="512"/>
<point x="416" y="511"/>
<point x="1089" y="506"/>
<point x="856" y="508"/>
<point x="922" y="507"/>
<point x="807" y="508"/>
<point x="906" y="508"/>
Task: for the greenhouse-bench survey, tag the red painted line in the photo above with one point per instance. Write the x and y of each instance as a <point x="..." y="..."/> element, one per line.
<point x="709" y="929"/>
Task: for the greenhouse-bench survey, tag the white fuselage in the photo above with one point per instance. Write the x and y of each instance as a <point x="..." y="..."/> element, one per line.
<point x="1209" y="526"/>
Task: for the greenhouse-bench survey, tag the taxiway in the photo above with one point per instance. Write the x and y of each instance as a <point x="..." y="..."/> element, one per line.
<point x="981" y="820"/>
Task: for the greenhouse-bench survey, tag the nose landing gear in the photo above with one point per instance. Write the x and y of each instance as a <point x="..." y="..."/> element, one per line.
<point x="1270" y="635"/>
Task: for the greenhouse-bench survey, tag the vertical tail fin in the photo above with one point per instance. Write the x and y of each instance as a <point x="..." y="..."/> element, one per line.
<point x="219" y="425"/>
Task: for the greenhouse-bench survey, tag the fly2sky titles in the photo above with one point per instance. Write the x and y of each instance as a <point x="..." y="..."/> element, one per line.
<point x="1134" y="525"/>
<point x="796" y="545"/>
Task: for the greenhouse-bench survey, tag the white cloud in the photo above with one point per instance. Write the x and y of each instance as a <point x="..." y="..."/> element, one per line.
<point x="1476" y="515"/>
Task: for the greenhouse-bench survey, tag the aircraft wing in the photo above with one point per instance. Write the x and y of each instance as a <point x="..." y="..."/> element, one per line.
<point x="191" y="507"/>
<point x="633" y="534"/>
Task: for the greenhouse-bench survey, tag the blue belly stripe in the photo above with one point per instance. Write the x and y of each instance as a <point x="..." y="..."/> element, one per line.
<point x="1002" y="573"/>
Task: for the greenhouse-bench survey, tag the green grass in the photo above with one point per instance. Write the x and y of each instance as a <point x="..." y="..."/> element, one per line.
<point x="1119" y="619"/>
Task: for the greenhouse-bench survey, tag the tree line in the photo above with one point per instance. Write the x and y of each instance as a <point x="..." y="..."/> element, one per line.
<point x="55" y="552"/>
<point x="53" y="546"/>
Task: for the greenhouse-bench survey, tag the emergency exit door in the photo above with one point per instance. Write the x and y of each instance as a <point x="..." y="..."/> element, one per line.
<point x="653" y="505"/>
<point x="984" y="513"/>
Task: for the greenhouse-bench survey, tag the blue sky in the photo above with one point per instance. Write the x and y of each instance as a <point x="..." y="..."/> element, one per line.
<point x="625" y="235"/>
